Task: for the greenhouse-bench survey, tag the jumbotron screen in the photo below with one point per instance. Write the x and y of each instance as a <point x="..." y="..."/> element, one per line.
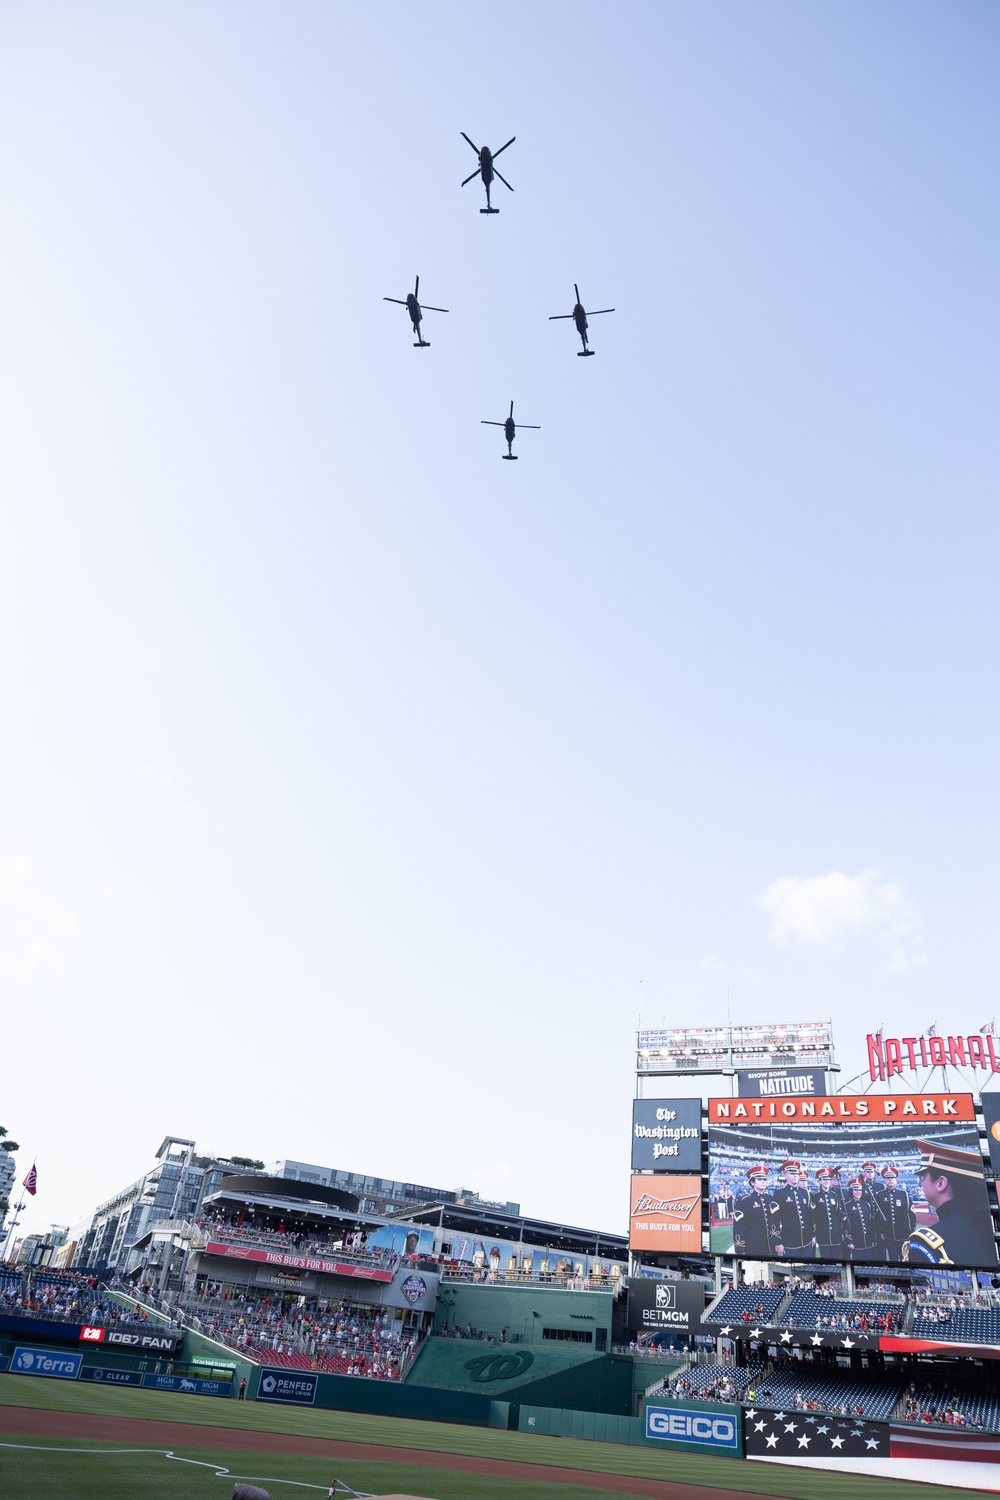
<point x="907" y="1194"/>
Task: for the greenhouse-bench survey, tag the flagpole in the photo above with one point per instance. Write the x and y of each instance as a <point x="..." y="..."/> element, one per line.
<point x="9" y="1233"/>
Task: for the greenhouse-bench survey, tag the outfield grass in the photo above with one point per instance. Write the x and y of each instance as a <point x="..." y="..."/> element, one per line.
<point x="442" y="1437"/>
<point x="97" y="1475"/>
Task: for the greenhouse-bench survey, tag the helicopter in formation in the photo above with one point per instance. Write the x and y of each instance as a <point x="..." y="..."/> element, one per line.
<point x="580" y="317"/>
<point x="487" y="171"/>
<point x="509" y="428"/>
<point x="415" y="311"/>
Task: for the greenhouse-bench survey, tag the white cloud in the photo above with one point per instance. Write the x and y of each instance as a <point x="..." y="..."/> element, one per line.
<point x="830" y="908"/>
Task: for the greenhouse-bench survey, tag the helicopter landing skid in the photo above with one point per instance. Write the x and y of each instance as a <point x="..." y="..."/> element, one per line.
<point x="585" y="353"/>
<point x="505" y="456"/>
<point x="489" y="210"/>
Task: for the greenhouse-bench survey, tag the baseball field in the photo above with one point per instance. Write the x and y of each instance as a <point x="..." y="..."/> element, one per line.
<point x="61" y="1439"/>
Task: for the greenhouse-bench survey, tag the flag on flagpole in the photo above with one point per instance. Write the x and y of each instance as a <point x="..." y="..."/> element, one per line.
<point x="31" y="1181"/>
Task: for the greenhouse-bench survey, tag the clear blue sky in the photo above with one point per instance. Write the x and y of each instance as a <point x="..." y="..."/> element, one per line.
<point x="351" y="780"/>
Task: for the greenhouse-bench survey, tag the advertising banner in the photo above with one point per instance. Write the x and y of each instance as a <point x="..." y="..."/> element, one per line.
<point x="297" y="1262"/>
<point x="187" y="1384"/>
<point x="112" y="1377"/>
<point x="792" y="1434"/>
<point x="134" y="1338"/>
<point x="59" y="1364"/>
<point x="781" y="1083"/>
<point x="666" y="1135"/>
<point x="840" y="1107"/>
<point x="665" y="1214"/>
<point x="716" y="1429"/>
<point x="296" y="1387"/>
<point x="661" y="1306"/>
<point x="416" y="1289"/>
<point x="899" y="1194"/>
<point x="991" y="1119"/>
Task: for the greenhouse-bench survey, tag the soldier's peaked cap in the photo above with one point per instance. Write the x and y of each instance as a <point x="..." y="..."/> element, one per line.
<point x="791" y="1165"/>
<point x="826" y="1173"/>
<point x="891" y="1170"/>
<point x="757" y="1172"/>
<point x="866" y="1164"/>
<point x="948" y="1161"/>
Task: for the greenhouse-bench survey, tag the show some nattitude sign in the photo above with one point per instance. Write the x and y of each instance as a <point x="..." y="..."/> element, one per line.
<point x="889" y="1055"/>
<point x="842" y="1108"/>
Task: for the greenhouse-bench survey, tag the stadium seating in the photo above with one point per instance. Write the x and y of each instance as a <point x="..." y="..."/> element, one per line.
<point x="808" y="1309"/>
<point x="747" y="1299"/>
<point x="938" y="1406"/>
<point x="702" y="1381"/>
<point x="967" y="1325"/>
<point x="788" y="1384"/>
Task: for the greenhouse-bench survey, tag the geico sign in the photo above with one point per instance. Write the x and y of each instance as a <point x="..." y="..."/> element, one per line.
<point x="690" y="1426"/>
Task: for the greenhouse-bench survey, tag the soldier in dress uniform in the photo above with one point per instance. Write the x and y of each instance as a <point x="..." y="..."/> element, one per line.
<point x="863" y="1222"/>
<point x="952" y="1183"/>
<point x="793" y="1217"/>
<point x="873" y="1189"/>
<point x="753" y="1216"/>
<point x="897" y="1211"/>
<point x="828" y="1217"/>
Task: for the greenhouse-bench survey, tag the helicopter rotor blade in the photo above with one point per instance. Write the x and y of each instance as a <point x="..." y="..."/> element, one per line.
<point x="471" y="143"/>
<point x="398" y="300"/>
<point x="600" y="310"/>
<point x="425" y="308"/>
<point x="577" y="291"/>
<point x="559" y="315"/>
<point x="502" y="148"/>
<point x="416" y="287"/>
<point x="471" y="175"/>
<point x="484" y="423"/>
<point x="511" y="411"/>
<point x="531" y="426"/>
<point x="503" y="179"/>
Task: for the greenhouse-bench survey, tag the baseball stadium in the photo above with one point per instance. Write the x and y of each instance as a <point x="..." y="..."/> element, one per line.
<point x="799" y="1309"/>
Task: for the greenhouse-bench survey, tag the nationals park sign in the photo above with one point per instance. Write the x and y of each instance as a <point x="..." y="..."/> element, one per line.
<point x="844" y="1107"/>
<point x="889" y="1055"/>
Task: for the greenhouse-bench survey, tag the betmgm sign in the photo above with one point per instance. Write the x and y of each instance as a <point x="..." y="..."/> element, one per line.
<point x="681" y="1426"/>
<point x="656" y="1306"/>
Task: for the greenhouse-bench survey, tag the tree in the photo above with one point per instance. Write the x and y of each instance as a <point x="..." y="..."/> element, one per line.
<point x="11" y="1146"/>
<point x="245" y="1161"/>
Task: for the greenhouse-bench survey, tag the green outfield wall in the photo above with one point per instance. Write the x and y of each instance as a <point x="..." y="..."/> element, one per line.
<point x="522" y="1313"/>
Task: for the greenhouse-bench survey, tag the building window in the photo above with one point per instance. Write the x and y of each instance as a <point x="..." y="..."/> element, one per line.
<point x="569" y="1335"/>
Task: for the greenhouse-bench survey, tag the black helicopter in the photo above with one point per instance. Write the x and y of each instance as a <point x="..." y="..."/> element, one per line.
<point x="486" y="170"/>
<point x="416" y="312"/>
<point x="509" y="429"/>
<point x="580" y="319"/>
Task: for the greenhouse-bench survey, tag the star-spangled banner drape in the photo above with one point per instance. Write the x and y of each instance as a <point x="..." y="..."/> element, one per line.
<point x="798" y="1434"/>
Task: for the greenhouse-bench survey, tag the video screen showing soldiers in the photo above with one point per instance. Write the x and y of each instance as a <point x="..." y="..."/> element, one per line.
<point x="899" y="1194"/>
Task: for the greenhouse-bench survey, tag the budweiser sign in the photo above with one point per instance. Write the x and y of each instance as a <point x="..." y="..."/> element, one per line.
<point x="682" y="1208"/>
<point x="665" y="1213"/>
<point x="889" y="1055"/>
<point x="297" y="1262"/>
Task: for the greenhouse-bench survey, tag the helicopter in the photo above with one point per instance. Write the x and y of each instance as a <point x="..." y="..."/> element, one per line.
<point x="580" y="319"/>
<point x="415" y="311"/>
<point x="509" y="428"/>
<point x="487" y="171"/>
